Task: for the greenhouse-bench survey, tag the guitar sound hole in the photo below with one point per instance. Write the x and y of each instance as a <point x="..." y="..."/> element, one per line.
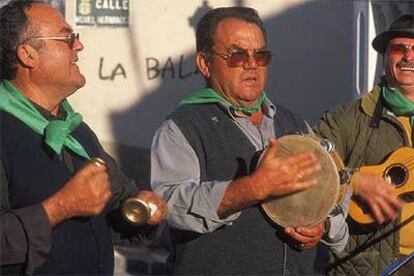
<point x="396" y="175"/>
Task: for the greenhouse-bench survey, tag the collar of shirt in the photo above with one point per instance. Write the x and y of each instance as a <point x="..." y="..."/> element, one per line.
<point x="49" y="116"/>
<point x="268" y="109"/>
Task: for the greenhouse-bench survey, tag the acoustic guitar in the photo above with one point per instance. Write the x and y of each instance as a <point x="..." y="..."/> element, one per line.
<point x="397" y="170"/>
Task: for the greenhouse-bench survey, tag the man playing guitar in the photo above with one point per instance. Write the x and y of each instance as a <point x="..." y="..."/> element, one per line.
<point x="378" y="129"/>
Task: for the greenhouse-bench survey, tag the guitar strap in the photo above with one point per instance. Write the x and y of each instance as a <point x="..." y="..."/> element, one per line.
<point x="373" y="125"/>
<point x="376" y="117"/>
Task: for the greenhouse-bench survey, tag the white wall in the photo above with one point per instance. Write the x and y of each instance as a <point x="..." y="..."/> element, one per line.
<point x="311" y="40"/>
<point x="125" y="100"/>
<point x="311" y="70"/>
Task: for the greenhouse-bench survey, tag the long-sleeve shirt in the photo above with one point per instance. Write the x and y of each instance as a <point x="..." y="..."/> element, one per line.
<point x="193" y="205"/>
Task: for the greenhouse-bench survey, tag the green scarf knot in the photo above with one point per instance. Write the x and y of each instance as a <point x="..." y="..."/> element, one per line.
<point x="208" y="95"/>
<point x="397" y="103"/>
<point x="56" y="133"/>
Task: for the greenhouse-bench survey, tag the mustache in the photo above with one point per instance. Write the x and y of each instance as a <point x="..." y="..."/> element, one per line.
<point x="249" y="74"/>
<point x="409" y="64"/>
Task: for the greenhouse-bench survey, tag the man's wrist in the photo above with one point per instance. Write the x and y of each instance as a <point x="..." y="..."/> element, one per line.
<point x="346" y="175"/>
<point x="255" y="182"/>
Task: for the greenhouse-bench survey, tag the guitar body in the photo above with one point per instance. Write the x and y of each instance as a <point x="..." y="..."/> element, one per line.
<point x="398" y="170"/>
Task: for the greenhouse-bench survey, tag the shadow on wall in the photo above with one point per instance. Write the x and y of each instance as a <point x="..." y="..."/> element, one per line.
<point x="310" y="72"/>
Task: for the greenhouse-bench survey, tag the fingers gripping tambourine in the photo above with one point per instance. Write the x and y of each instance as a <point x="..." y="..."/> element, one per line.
<point x="309" y="207"/>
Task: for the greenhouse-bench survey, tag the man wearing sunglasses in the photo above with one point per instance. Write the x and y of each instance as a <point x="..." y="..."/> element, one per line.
<point x="203" y="155"/>
<point x="60" y="191"/>
<point x="366" y="132"/>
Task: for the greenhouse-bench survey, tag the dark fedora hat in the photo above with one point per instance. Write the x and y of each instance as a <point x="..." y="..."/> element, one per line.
<point x="403" y="26"/>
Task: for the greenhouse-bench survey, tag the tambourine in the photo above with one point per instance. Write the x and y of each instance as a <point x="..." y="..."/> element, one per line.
<point x="311" y="206"/>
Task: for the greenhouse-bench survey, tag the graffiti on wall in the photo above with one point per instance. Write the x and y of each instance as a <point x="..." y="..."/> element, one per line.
<point x="111" y="73"/>
<point x="155" y="69"/>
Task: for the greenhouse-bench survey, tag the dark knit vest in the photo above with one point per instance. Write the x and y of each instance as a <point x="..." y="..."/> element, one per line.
<point x="80" y="245"/>
<point x="252" y="244"/>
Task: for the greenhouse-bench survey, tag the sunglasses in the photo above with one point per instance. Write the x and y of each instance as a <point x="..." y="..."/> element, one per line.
<point x="401" y="49"/>
<point x="69" y="39"/>
<point x="240" y="57"/>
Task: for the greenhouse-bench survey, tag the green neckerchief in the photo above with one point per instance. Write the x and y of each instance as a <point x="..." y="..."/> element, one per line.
<point x="56" y="133"/>
<point x="397" y="103"/>
<point x="208" y="95"/>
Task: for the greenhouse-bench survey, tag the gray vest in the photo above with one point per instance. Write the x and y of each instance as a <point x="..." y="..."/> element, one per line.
<point x="252" y="244"/>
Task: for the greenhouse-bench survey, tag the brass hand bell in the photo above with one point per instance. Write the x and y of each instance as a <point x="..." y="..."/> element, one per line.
<point x="137" y="211"/>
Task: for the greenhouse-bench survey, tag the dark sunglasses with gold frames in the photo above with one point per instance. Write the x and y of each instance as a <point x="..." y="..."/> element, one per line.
<point x="240" y="57"/>
<point x="69" y="39"/>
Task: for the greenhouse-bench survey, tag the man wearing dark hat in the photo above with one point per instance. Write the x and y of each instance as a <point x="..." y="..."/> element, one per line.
<point x="366" y="132"/>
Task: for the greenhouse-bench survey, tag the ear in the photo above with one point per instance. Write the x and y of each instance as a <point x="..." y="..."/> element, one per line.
<point x="203" y="65"/>
<point x="27" y="55"/>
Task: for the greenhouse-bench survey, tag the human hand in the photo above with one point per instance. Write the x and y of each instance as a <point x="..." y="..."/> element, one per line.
<point x="379" y="195"/>
<point x="306" y="237"/>
<point x="161" y="210"/>
<point x="276" y="176"/>
<point x="85" y="194"/>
